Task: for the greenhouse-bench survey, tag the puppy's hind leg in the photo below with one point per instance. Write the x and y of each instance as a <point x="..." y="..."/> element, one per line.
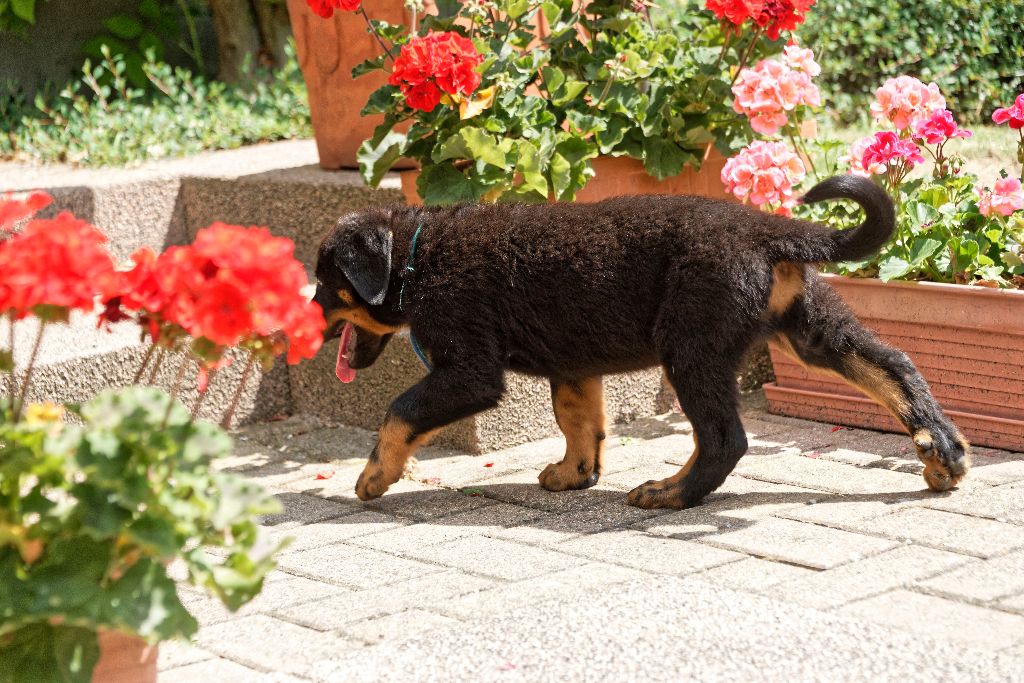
<point x="705" y="383"/>
<point x="579" y="411"/>
<point x="818" y="330"/>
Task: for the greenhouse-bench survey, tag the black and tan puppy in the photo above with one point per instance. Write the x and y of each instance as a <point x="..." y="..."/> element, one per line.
<point x="572" y="292"/>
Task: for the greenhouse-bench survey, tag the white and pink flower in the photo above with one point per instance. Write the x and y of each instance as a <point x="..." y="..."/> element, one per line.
<point x="905" y="100"/>
<point x="1004" y="199"/>
<point x="765" y="173"/>
<point x="768" y="91"/>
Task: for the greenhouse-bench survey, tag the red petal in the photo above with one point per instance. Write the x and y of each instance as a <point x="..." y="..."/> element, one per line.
<point x="488" y="464"/>
<point x="327" y="474"/>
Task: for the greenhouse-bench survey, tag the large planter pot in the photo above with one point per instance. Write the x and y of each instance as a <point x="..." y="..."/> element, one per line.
<point x="328" y="49"/>
<point x="968" y="342"/>
<point x="614" y="176"/>
<point x="125" y="659"/>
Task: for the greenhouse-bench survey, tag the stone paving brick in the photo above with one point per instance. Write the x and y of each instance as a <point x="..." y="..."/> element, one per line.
<point x="551" y="528"/>
<point x="648" y="553"/>
<point x="733" y="505"/>
<point x="833" y="477"/>
<point x="175" y="653"/>
<point x="1014" y="604"/>
<point x="927" y="615"/>
<point x="423" y="592"/>
<point x="495" y="558"/>
<point x="417" y="501"/>
<point x="222" y="671"/>
<point x="947" y="531"/>
<point x="337" y="530"/>
<point x="892" y="569"/>
<point x="278" y="432"/>
<point x="545" y="588"/>
<point x="396" y="626"/>
<point x="981" y="580"/>
<point x="753" y="574"/>
<point x="626" y="452"/>
<point x="352" y="567"/>
<point x="522" y="488"/>
<point x="798" y="543"/>
<point x="995" y="467"/>
<point x="333" y="443"/>
<point x="844" y="512"/>
<point x="1002" y="503"/>
<point x="295" y="648"/>
<point x="275" y="595"/>
<point x="335" y="480"/>
<point x="491" y="518"/>
<point x="302" y="509"/>
<point x="627" y="480"/>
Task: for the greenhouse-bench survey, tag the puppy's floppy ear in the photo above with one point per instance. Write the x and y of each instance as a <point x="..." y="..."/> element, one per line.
<point x="365" y="258"/>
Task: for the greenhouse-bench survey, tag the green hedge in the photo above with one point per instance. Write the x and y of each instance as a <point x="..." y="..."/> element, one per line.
<point x="973" y="50"/>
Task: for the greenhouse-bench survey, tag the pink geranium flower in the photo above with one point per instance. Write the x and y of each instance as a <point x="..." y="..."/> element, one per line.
<point x="765" y="173"/>
<point x="904" y="100"/>
<point x="938" y="128"/>
<point x="855" y="159"/>
<point x="769" y="90"/>
<point x="1014" y="114"/>
<point x="887" y="148"/>
<point x="1006" y="198"/>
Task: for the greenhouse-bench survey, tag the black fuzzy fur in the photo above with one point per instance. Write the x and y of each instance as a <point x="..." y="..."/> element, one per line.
<point x="570" y="291"/>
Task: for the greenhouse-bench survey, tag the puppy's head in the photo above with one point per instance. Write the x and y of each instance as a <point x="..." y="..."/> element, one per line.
<point x="353" y="272"/>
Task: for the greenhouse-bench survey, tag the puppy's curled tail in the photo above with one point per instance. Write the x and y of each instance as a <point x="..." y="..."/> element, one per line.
<point x="822" y="244"/>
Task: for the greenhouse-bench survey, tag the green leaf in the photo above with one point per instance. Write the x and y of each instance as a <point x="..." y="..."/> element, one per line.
<point x="123" y="26"/>
<point x="584" y="123"/>
<point x="922" y="214"/>
<point x="376" y="160"/>
<point x="893" y="268"/>
<point x="529" y="165"/>
<point x="368" y="66"/>
<point x="24" y="9"/>
<point x="444" y="184"/>
<point x="569" y="91"/>
<point x="922" y="249"/>
<point x="149" y="9"/>
<point x="664" y="158"/>
<point x="485" y="147"/>
<point x="6" y="361"/>
<point x="561" y="175"/>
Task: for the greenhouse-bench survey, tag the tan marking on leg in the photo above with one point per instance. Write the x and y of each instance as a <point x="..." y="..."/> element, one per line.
<point x="936" y="475"/>
<point x="395" y="445"/>
<point x="787" y="286"/>
<point x="579" y="412"/>
<point x="668" y="492"/>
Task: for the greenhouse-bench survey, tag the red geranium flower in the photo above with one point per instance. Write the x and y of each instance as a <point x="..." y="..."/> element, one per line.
<point x="736" y="11"/>
<point x="13" y="210"/>
<point x="1014" y="114"/>
<point x="325" y="8"/>
<point x="436" y="62"/>
<point x="777" y="16"/>
<point x="61" y="262"/>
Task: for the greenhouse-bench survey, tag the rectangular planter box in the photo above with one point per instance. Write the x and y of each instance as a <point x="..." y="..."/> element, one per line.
<point x="968" y="342"/>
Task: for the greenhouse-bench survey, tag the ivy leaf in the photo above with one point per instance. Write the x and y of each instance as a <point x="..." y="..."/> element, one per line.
<point x="486" y="147"/>
<point x="444" y="184"/>
<point x="922" y="249"/>
<point x="664" y="158"/>
<point x="376" y="160"/>
<point x="892" y="268"/>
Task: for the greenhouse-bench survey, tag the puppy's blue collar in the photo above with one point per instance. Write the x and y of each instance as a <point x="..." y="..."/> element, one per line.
<point x="401" y="294"/>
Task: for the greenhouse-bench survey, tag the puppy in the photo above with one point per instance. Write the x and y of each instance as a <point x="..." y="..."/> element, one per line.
<point x="572" y="292"/>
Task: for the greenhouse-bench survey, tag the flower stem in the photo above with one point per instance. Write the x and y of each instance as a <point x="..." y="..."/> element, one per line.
<point x="13" y="389"/>
<point x="746" y="55"/>
<point x="156" y="366"/>
<point x="373" y="30"/>
<point x="229" y="414"/>
<point x="175" y="388"/>
<point x="145" y="362"/>
<point x="28" y="372"/>
<point x="202" y="395"/>
<point x="718" y="63"/>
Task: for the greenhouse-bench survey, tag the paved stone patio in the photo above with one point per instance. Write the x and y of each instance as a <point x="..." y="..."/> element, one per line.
<point x="822" y="557"/>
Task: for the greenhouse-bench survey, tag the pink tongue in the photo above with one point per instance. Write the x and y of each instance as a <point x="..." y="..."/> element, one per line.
<point x="341" y="369"/>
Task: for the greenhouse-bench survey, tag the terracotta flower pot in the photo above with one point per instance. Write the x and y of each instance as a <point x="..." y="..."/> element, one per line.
<point x="615" y="176"/>
<point x="125" y="659"/>
<point x="968" y="342"/>
<point x="328" y="50"/>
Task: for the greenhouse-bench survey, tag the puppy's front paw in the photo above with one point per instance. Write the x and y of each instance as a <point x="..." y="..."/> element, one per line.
<point x="945" y="456"/>
<point x="372" y="483"/>
<point x="658" y="494"/>
<point x="559" y="476"/>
